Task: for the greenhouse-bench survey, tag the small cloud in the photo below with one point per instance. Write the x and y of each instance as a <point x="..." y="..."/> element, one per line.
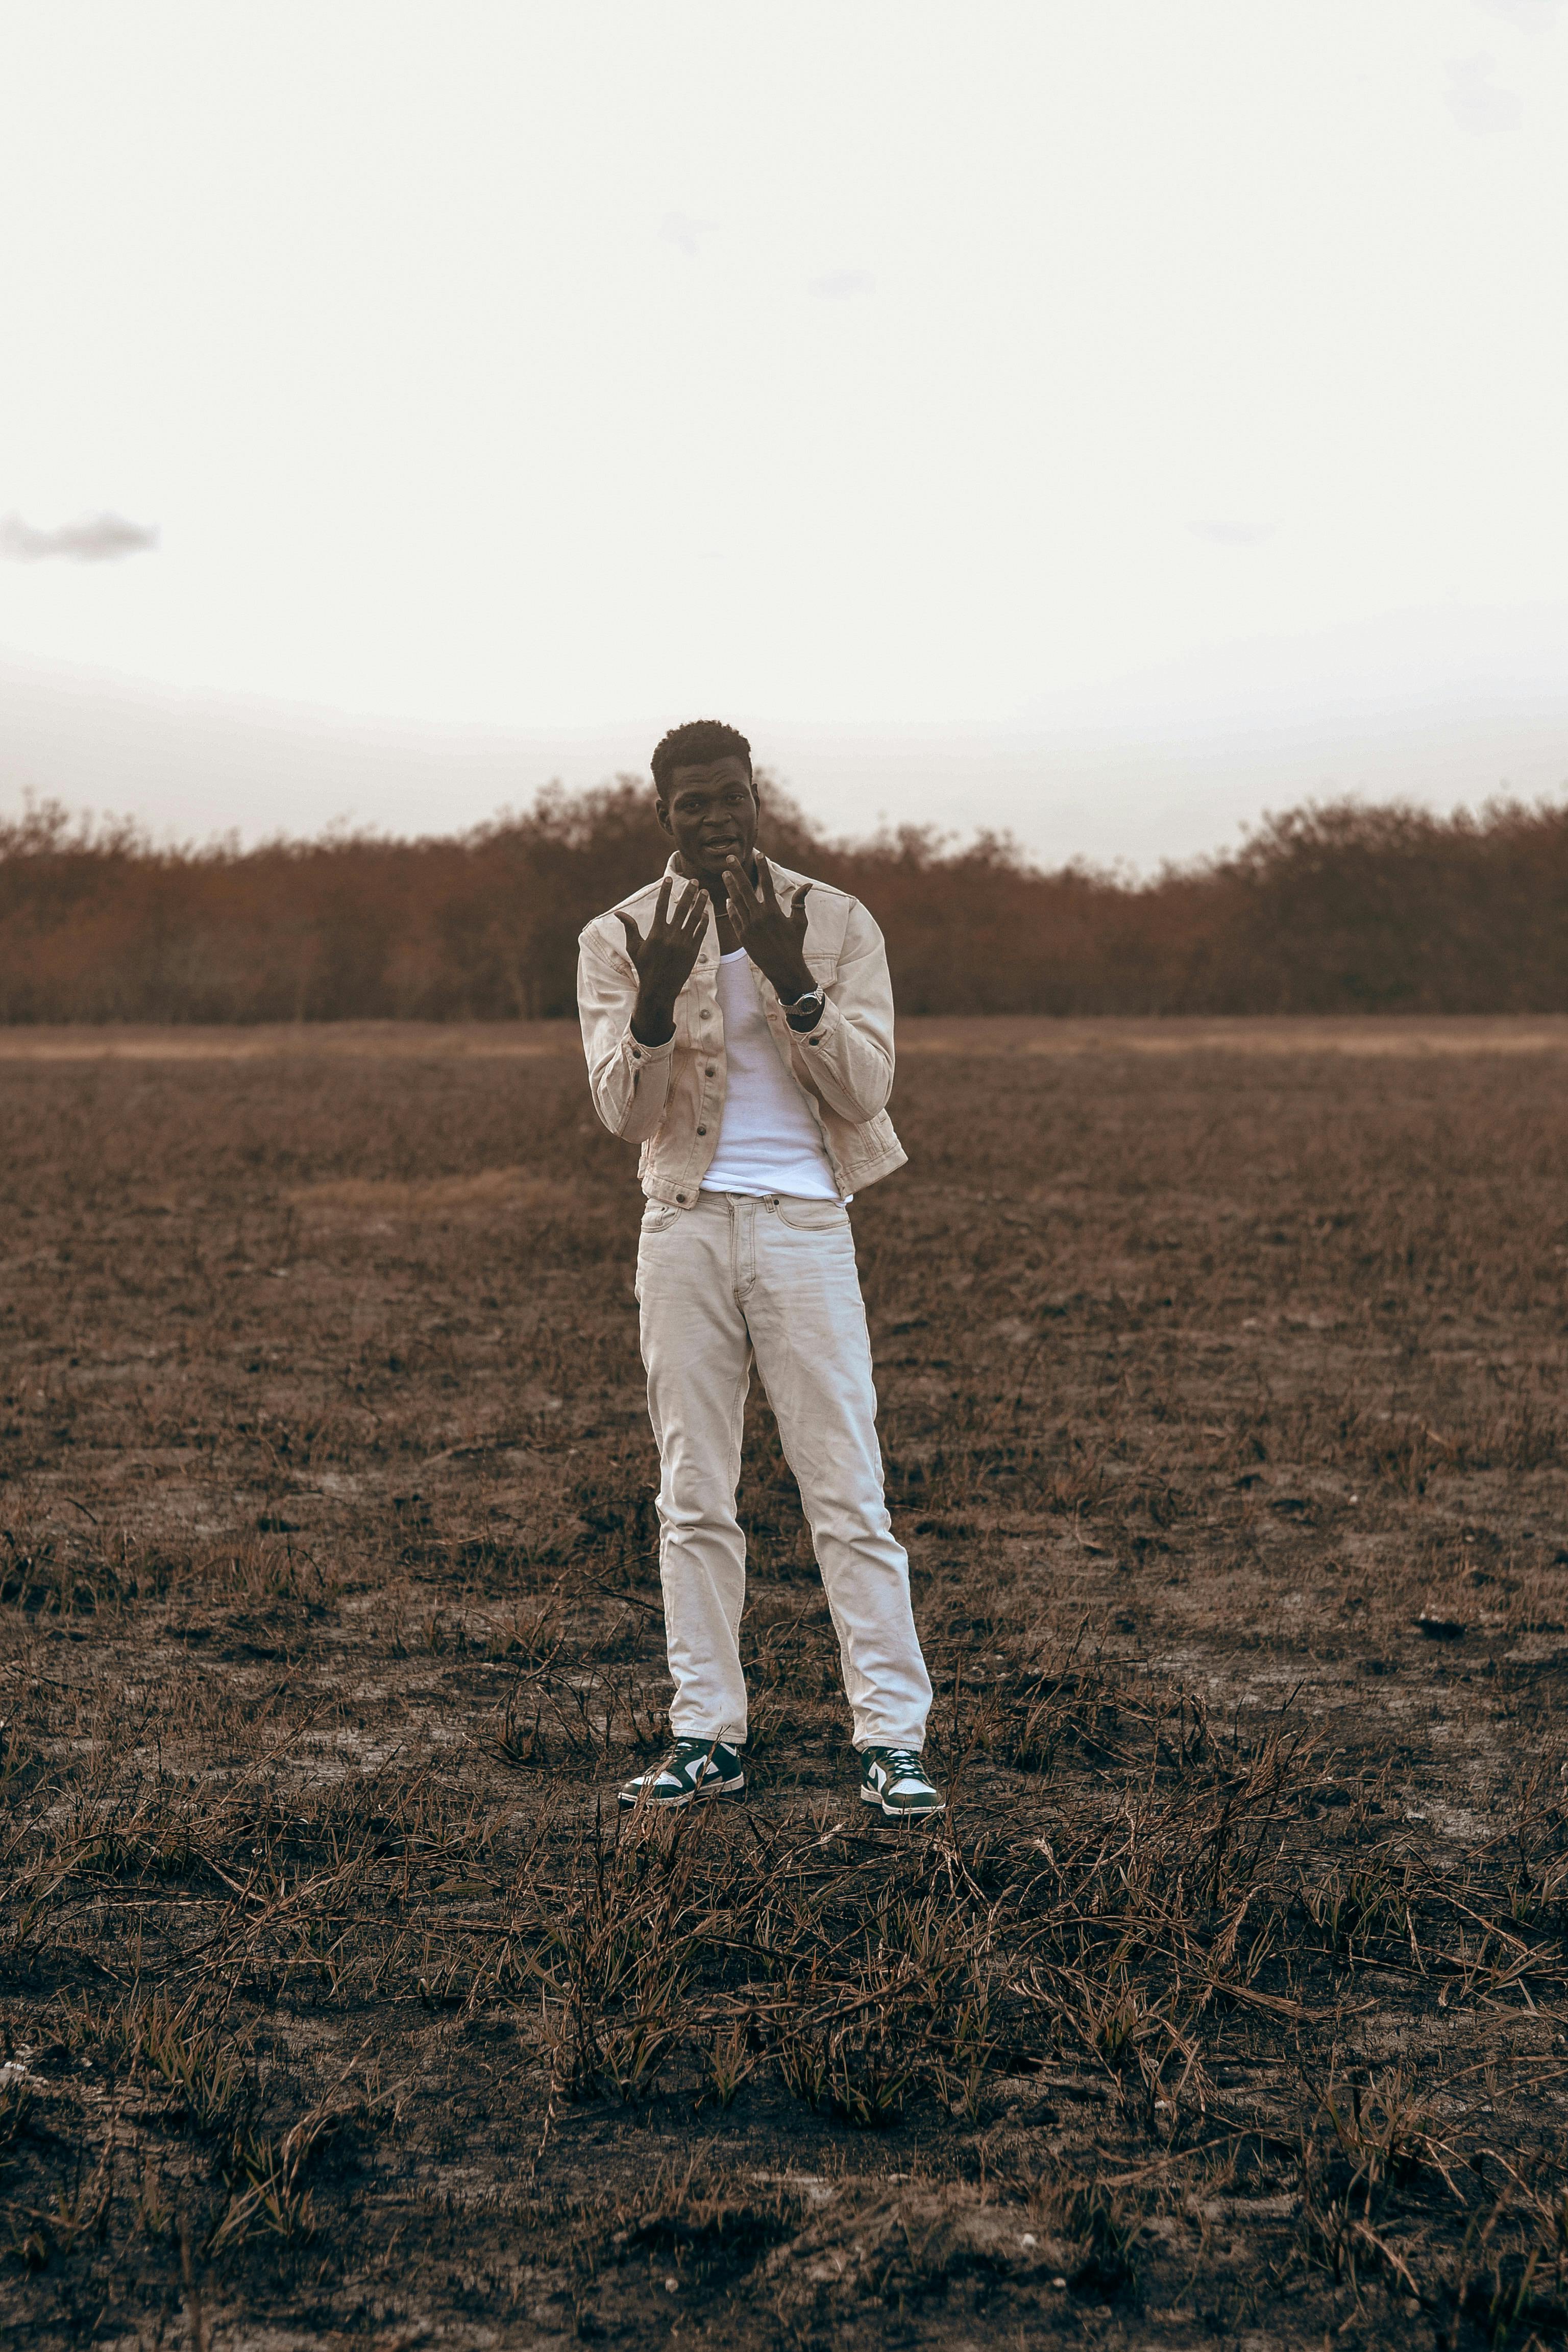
<point x="1527" y="16"/>
<point x="1476" y="102"/>
<point x="843" y="285"/>
<point x="94" y="539"/>
<point x="1234" y="534"/>
<point x="679" y="228"/>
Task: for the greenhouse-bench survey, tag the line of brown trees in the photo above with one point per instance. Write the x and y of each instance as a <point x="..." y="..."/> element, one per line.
<point x="1334" y="908"/>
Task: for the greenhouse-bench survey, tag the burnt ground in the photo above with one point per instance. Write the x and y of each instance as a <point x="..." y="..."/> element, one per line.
<point x="1223" y="1405"/>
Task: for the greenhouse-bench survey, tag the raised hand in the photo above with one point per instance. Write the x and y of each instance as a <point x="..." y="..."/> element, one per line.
<point x="772" y="936"/>
<point x="664" y="959"/>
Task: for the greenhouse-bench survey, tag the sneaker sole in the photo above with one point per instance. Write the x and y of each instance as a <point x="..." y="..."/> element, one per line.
<point x="902" y="1812"/>
<point x="697" y="1797"/>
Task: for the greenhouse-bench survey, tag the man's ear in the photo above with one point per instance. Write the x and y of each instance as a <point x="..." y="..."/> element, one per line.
<point x="661" y="810"/>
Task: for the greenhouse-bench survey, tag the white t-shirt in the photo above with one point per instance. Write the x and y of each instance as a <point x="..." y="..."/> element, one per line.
<point x="768" y="1141"/>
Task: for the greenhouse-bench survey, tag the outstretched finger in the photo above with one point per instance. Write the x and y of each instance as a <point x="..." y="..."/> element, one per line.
<point x="797" y="904"/>
<point x="692" y="910"/>
<point x="634" y="937"/>
<point x="765" y="878"/>
<point x="662" y="909"/>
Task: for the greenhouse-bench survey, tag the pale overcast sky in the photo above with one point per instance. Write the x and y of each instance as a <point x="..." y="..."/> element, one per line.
<point x="1109" y="416"/>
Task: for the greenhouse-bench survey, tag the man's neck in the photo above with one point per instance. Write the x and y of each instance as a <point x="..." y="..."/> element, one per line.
<point x="717" y="899"/>
<point x="714" y="886"/>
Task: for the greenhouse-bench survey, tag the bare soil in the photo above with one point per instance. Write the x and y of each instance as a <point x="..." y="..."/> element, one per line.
<point x="1221" y="1370"/>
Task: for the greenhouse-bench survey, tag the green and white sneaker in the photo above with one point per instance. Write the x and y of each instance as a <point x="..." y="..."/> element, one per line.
<point x="893" y="1778"/>
<point x="694" y="1770"/>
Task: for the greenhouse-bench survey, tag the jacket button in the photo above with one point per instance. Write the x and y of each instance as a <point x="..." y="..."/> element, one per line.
<point x="680" y="1196"/>
<point x="702" y="1131"/>
<point x="711" y="1069"/>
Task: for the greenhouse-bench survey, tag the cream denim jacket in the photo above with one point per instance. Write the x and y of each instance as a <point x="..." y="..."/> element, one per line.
<point x="670" y="1097"/>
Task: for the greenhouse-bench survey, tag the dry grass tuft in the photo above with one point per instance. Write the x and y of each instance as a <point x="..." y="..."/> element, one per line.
<point x="487" y="1191"/>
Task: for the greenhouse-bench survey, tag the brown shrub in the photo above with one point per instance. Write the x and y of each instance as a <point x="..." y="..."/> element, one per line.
<point x="1335" y="908"/>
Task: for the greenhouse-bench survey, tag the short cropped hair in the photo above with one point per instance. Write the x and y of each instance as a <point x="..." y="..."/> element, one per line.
<point x="695" y="745"/>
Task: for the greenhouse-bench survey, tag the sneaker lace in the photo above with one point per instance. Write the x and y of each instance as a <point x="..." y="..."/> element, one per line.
<point x="899" y="1760"/>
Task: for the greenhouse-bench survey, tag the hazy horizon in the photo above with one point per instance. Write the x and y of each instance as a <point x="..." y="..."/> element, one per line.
<point x="1171" y="763"/>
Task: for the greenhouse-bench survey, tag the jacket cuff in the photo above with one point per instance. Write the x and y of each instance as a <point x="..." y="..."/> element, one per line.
<point x="640" y="1055"/>
<point x="821" y="1028"/>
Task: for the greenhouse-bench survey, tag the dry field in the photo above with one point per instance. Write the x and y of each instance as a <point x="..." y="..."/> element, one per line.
<point x="1222" y="1381"/>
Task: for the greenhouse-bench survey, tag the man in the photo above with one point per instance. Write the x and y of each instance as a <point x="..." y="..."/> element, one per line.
<point x="738" y="1021"/>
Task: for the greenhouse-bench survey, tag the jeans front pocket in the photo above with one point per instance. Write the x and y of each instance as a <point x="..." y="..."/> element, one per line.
<point x="812" y="1217"/>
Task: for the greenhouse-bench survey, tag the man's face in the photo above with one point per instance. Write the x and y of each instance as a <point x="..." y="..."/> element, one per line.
<point x="711" y="814"/>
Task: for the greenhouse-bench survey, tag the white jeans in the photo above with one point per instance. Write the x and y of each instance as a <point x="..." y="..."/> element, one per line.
<point x="727" y="1281"/>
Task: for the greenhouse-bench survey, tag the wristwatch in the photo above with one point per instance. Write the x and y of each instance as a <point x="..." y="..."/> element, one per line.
<point x="814" y="997"/>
